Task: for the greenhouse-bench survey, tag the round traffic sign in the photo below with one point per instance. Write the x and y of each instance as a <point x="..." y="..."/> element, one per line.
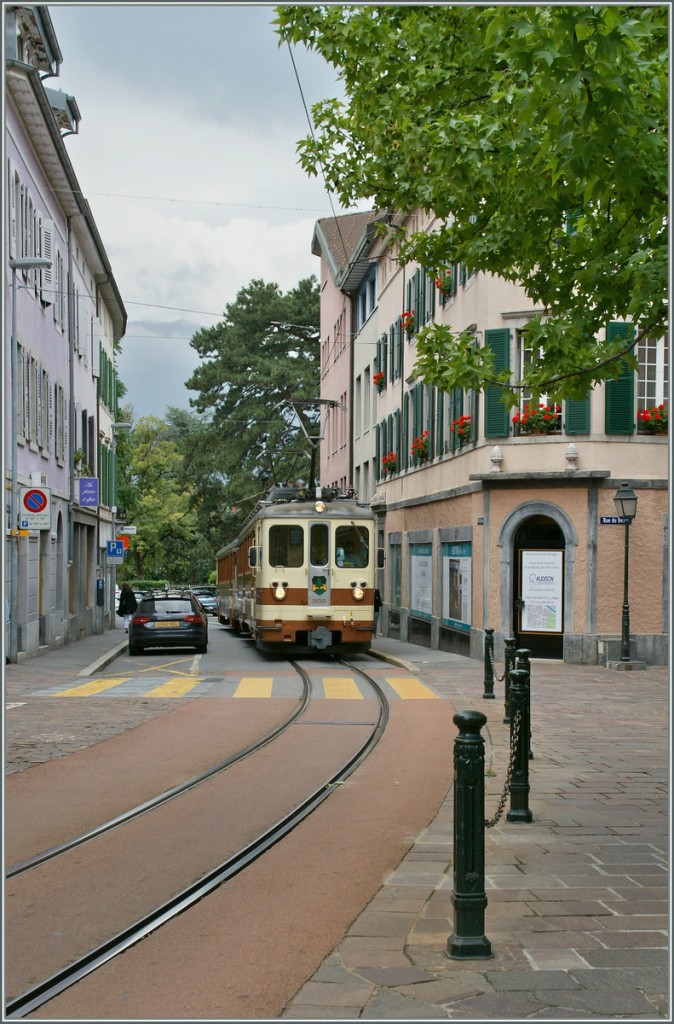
<point x="35" y="500"/>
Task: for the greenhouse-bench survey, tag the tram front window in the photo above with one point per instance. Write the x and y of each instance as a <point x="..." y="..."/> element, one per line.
<point x="352" y="546"/>
<point x="286" y="546"/>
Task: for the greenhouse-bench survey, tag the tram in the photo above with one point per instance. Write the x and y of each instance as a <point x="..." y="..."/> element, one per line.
<point x="300" y="576"/>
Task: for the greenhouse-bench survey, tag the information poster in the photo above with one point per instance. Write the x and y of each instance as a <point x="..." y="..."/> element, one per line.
<point x="421" y="580"/>
<point x="457" y="585"/>
<point x="541" y="588"/>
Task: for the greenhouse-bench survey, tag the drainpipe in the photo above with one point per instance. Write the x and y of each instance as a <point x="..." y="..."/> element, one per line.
<point x="71" y="416"/>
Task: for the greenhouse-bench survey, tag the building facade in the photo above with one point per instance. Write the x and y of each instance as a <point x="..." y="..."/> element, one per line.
<point x="62" y="322"/>
<point x="490" y="521"/>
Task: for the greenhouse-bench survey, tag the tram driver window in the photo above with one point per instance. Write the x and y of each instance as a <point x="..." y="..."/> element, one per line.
<point x="352" y="547"/>
<point x="286" y="546"/>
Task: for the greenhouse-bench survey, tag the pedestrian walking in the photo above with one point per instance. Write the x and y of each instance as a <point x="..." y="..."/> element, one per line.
<point x="127" y="604"/>
<point x="377" y="606"/>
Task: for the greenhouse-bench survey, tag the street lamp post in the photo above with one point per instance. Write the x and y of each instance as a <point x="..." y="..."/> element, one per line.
<point x="626" y="504"/>
<point x="20" y="263"/>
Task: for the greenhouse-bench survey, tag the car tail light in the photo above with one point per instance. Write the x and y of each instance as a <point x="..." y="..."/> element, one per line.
<point x="192" y="618"/>
<point x="140" y="620"/>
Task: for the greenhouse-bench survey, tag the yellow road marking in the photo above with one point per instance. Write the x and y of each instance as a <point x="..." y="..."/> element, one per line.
<point x="175" y="687"/>
<point x="412" y="689"/>
<point x="341" y="688"/>
<point x="255" y="686"/>
<point x="154" y="668"/>
<point x="95" y="686"/>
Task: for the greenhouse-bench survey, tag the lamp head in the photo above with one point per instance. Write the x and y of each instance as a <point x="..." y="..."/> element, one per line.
<point x="626" y="501"/>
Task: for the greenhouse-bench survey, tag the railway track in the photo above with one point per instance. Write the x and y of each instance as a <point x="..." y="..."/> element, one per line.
<point x="41" y="873"/>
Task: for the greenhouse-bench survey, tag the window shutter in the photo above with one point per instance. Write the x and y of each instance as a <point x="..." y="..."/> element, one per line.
<point x="496" y="413"/>
<point x="399" y="346"/>
<point x="377" y="450"/>
<point x="13" y="221"/>
<point x="405" y="442"/>
<point x="95" y="347"/>
<point x="577" y="415"/>
<point x="47" y="275"/>
<point x="440" y="424"/>
<point x="455" y="410"/>
<point x="430" y="295"/>
<point x="392" y="352"/>
<point x="619" y="414"/>
<point x="397" y="434"/>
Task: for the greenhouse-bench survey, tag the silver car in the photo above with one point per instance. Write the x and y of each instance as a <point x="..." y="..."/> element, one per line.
<point x="207" y="598"/>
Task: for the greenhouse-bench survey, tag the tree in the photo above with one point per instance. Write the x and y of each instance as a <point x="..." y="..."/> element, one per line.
<point x="153" y="491"/>
<point x="257" y="381"/>
<point x="537" y="135"/>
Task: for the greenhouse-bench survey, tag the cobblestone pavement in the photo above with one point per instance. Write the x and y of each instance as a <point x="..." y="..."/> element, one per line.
<point x="578" y="899"/>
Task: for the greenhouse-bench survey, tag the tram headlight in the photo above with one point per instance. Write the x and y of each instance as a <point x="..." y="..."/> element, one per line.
<point x="358" y="593"/>
<point x="279" y="590"/>
<point x="320" y="506"/>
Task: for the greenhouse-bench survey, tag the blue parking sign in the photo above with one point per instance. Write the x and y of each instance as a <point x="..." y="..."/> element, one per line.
<point x="115" y="549"/>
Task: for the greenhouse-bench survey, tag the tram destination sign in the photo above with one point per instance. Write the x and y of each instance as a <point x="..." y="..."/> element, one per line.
<point x="615" y="520"/>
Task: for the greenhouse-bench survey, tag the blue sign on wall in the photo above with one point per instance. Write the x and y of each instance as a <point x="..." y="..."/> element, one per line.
<point x="89" y="491"/>
<point x="115" y="549"/>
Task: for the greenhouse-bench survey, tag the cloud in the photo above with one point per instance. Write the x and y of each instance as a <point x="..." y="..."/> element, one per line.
<point x="195" y="111"/>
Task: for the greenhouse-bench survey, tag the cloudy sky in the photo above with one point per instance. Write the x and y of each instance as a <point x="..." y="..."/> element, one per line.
<point x="187" y="154"/>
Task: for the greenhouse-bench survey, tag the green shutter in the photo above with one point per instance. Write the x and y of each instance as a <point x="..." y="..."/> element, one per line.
<point x="405" y="441"/>
<point x="377" y="451"/>
<point x="496" y="414"/>
<point x="397" y="434"/>
<point x="440" y="424"/>
<point x="455" y="410"/>
<point x="577" y="415"/>
<point x="432" y="398"/>
<point x="619" y="415"/>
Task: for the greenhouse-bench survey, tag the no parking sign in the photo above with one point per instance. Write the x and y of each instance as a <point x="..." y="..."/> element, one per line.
<point x="35" y="508"/>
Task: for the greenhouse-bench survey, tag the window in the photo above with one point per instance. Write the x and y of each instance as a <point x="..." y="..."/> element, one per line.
<point x="367" y="296"/>
<point x="286" y="546"/>
<point x="653" y="378"/>
<point x="352" y="547"/>
<point x="395" y="563"/>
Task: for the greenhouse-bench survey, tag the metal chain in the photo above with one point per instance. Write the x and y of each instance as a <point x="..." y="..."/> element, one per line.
<point x="499" y="679"/>
<point x="509" y="772"/>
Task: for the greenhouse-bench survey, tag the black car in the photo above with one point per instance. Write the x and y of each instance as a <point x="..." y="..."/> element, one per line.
<point x="162" y="620"/>
<point x="208" y="597"/>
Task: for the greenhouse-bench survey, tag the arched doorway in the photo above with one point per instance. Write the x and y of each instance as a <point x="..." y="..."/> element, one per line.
<point x="538" y="597"/>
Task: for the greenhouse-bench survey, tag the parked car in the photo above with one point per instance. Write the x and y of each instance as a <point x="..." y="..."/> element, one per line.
<point x="208" y="597"/>
<point x="166" y="621"/>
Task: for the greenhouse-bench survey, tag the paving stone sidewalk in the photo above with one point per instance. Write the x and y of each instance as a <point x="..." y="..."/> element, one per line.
<point x="578" y="899"/>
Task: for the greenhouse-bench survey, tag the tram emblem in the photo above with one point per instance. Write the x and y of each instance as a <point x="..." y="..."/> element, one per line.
<point x="319" y="585"/>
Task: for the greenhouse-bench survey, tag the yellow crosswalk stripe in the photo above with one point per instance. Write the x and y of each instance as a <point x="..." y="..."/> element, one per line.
<point x="255" y="686"/>
<point x="341" y="688"/>
<point x="175" y="687"/>
<point x="92" y="688"/>
<point x="411" y="689"/>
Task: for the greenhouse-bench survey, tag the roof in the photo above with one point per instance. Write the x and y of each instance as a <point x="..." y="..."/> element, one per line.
<point x="345" y="242"/>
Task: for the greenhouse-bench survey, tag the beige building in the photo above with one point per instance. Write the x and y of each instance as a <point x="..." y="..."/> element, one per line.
<point x="505" y="527"/>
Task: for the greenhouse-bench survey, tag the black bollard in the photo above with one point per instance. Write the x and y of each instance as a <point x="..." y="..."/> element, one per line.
<point x="468" y="941"/>
<point x="522" y="661"/>
<point x="510" y="646"/>
<point x="488" y="664"/>
<point x="519" y="782"/>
